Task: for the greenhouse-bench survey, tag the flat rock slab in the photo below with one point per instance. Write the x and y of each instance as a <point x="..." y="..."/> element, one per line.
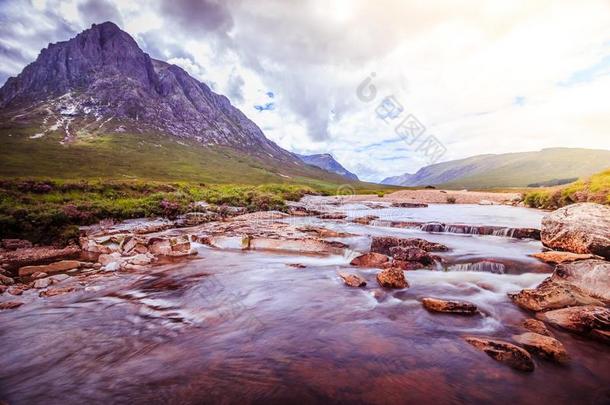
<point x="382" y="244"/>
<point x="544" y="346"/>
<point x="536" y="326"/>
<point x="504" y="352"/>
<point x="449" y="306"/>
<point x="556" y="257"/>
<point x="53" y="268"/>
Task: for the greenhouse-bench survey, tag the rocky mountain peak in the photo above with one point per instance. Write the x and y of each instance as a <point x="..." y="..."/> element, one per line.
<point x="102" y="81"/>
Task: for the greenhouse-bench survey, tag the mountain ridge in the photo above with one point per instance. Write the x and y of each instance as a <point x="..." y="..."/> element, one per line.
<point x="515" y="169"/>
<point x="327" y="162"/>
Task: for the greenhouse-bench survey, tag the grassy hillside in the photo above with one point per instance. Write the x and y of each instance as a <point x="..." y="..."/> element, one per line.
<point x="593" y="189"/>
<point x="553" y="165"/>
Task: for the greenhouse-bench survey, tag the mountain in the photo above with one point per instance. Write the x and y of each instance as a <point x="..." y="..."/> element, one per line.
<point x="509" y="169"/>
<point x="83" y="98"/>
<point x="327" y="162"/>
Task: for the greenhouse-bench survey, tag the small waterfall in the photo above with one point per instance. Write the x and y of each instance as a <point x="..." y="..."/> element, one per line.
<point x="433" y="227"/>
<point x="505" y="232"/>
<point x="483" y="266"/>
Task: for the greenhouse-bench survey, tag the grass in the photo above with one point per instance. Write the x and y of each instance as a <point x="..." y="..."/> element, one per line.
<point x="51" y="211"/>
<point x="594" y="189"/>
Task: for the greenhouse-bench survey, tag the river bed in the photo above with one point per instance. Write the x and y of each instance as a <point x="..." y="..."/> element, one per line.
<point x="232" y="326"/>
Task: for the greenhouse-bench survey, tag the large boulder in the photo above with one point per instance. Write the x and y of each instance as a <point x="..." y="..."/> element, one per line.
<point x="504" y="352"/>
<point x="392" y="278"/>
<point x="578" y="228"/>
<point x="552" y="294"/>
<point x="411" y="254"/>
<point x="591" y="276"/>
<point x="544" y="346"/>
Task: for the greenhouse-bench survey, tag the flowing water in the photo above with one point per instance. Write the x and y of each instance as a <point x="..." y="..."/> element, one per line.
<point x="232" y="326"/>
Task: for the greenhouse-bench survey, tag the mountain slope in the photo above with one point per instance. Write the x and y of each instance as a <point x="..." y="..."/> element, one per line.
<point x="327" y="162"/>
<point x="509" y="169"/>
<point x="66" y="113"/>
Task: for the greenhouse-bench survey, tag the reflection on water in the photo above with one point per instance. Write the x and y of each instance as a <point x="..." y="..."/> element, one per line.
<point x="244" y="327"/>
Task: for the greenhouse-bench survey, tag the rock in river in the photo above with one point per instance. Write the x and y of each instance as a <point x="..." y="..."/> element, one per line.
<point x="392" y="278"/>
<point x="544" y="346"/>
<point x="382" y="244"/>
<point x="578" y="228"/>
<point x="536" y="326"/>
<point x="411" y="254"/>
<point x="552" y="294"/>
<point x="585" y="320"/>
<point x="370" y="260"/>
<point x="592" y="276"/>
<point x="454" y="307"/>
<point x="555" y="257"/>
<point x="504" y="352"/>
<point x="352" y="280"/>
<point x="53" y="268"/>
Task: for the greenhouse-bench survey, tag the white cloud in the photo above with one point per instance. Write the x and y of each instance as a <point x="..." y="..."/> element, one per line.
<point x="458" y="66"/>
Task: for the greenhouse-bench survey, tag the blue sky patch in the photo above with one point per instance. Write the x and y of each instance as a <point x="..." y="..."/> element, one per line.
<point x="265" y="107"/>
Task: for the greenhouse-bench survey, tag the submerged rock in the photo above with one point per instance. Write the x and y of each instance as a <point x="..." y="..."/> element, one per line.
<point x="585" y="320"/>
<point x="352" y="280"/>
<point x="409" y="205"/>
<point x="544" y="346"/>
<point x="504" y="352"/>
<point x="578" y="228"/>
<point x="382" y="244"/>
<point x="454" y="307"/>
<point x="370" y="260"/>
<point x="366" y="220"/>
<point x="10" y="305"/>
<point x="552" y="295"/>
<point x="536" y="326"/>
<point x="333" y="215"/>
<point x="404" y="265"/>
<point x="52" y="292"/>
<point x="392" y="278"/>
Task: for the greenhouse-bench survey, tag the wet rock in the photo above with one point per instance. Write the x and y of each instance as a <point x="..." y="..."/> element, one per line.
<point x="352" y="280"/>
<point x="10" y="305"/>
<point x="26" y="257"/>
<point x="14" y="244"/>
<point x="141" y="259"/>
<point x="323" y="232"/>
<point x="52" y="292"/>
<point x="585" y="320"/>
<point x="411" y="254"/>
<point x="89" y="245"/>
<point x="555" y="257"/>
<point x="382" y="244"/>
<point x="58" y="278"/>
<point x="332" y="215"/>
<point x="17" y="290"/>
<point x="544" y="346"/>
<point x="409" y="205"/>
<point x="591" y="276"/>
<point x="105" y="259"/>
<point x="552" y="295"/>
<point x="536" y="326"/>
<point x="3" y="289"/>
<point x="39" y="274"/>
<point x="601" y="335"/>
<point x="57" y="267"/>
<point x="297" y="265"/>
<point x="486" y="202"/>
<point x="175" y="246"/>
<point x="370" y="260"/>
<point x="42" y="283"/>
<point x="366" y="220"/>
<point x="403" y="265"/>
<point x="196" y="218"/>
<point x="133" y="245"/>
<point x="449" y="306"/>
<point x="578" y="228"/>
<point x="504" y="352"/>
<point x="296" y="245"/>
<point x="6" y="280"/>
<point x="392" y="278"/>
<point x="112" y="266"/>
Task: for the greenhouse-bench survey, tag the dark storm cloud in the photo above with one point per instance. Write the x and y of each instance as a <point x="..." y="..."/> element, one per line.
<point x="98" y="11"/>
<point x="199" y="16"/>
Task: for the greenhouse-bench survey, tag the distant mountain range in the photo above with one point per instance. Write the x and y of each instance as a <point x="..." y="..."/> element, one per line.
<point x="327" y="162"/>
<point x="544" y="167"/>
<point x="98" y="105"/>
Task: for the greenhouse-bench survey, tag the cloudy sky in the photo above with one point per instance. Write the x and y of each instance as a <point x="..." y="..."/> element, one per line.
<point x="478" y="76"/>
